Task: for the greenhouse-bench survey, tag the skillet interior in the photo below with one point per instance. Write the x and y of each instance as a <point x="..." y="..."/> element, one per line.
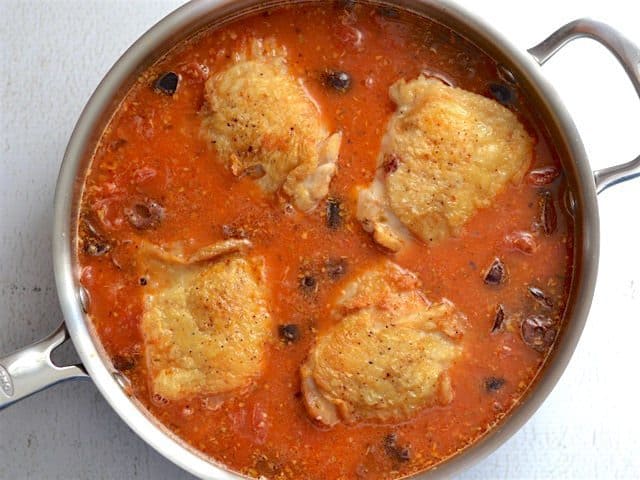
<point x="189" y="21"/>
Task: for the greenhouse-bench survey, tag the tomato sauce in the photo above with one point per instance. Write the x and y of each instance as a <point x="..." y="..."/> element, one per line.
<point x="152" y="149"/>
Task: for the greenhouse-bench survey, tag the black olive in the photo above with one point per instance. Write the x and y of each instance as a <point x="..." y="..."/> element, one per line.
<point x="144" y="214"/>
<point x="502" y="93"/>
<point x="395" y="451"/>
<point x="403" y="454"/>
<point x="334" y="219"/>
<point x="117" y="144"/>
<point x="493" y="384"/>
<point x="338" y="80"/>
<point x="499" y="319"/>
<point x="167" y="83"/>
<point x="540" y="296"/>
<point x="123" y="363"/>
<point x="308" y="283"/>
<point x="336" y="267"/>
<point x="348" y="5"/>
<point x="548" y="219"/>
<point x="538" y="332"/>
<point x="496" y="274"/>
<point x="388" y="12"/>
<point x="289" y="333"/>
<point x="95" y="247"/>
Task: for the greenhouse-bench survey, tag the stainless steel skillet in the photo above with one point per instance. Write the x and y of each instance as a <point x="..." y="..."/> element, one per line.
<point x="30" y="370"/>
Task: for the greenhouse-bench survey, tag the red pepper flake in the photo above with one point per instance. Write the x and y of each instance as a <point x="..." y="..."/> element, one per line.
<point x="542" y="176"/>
<point x="522" y="242"/>
<point x="391" y="163"/>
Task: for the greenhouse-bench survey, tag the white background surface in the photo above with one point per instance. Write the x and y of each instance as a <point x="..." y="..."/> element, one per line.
<point x="54" y="53"/>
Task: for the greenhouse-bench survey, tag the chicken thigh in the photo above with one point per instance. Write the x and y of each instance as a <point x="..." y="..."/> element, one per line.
<point x="205" y="322"/>
<point x="446" y="154"/>
<point x="388" y="356"/>
<point x="262" y="123"/>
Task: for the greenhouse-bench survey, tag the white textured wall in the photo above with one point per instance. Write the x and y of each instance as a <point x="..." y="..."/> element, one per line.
<point x="52" y="55"/>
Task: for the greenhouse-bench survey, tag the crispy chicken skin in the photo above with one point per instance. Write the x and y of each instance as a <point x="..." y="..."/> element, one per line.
<point x="262" y="123"/>
<point x="205" y="322"/>
<point x="446" y="154"/>
<point x="388" y="357"/>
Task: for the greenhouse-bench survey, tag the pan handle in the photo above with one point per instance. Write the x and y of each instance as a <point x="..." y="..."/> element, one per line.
<point x="31" y="369"/>
<point x="625" y="52"/>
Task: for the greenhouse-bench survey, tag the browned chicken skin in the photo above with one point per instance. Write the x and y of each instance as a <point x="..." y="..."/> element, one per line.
<point x="262" y="123"/>
<point x="205" y="322"/>
<point x="446" y="154"/>
<point x="389" y="355"/>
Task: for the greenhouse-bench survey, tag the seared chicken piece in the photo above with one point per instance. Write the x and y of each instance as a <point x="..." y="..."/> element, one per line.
<point x="388" y="357"/>
<point x="446" y="154"/>
<point x="262" y="123"/>
<point x="205" y="322"/>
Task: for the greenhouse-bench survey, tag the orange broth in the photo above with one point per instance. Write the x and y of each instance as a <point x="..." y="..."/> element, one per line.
<point x="152" y="148"/>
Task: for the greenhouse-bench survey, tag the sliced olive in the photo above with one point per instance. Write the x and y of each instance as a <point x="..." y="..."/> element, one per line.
<point x="117" y="144"/>
<point x="548" y="218"/>
<point x="289" y="333"/>
<point x="348" y="5"/>
<point x="388" y="12"/>
<point x="496" y="274"/>
<point x="337" y="80"/>
<point x="390" y="163"/>
<point x="144" y="214"/>
<point x="336" y="267"/>
<point x="403" y="454"/>
<point x="498" y="320"/>
<point x="143" y="281"/>
<point x="395" y="451"/>
<point x="96" y="247"/>
<point x="123" y="363"/>
<point x="541" y="297"/>
<point x="538" y="332"/>
<point x="334" y="219"/>
<point x="493" y="384"/>
<point x="502" y="93"/>
<point x="309" y="284"/>
<point x="543" y="176"/>
<point x="167" y="83"/>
